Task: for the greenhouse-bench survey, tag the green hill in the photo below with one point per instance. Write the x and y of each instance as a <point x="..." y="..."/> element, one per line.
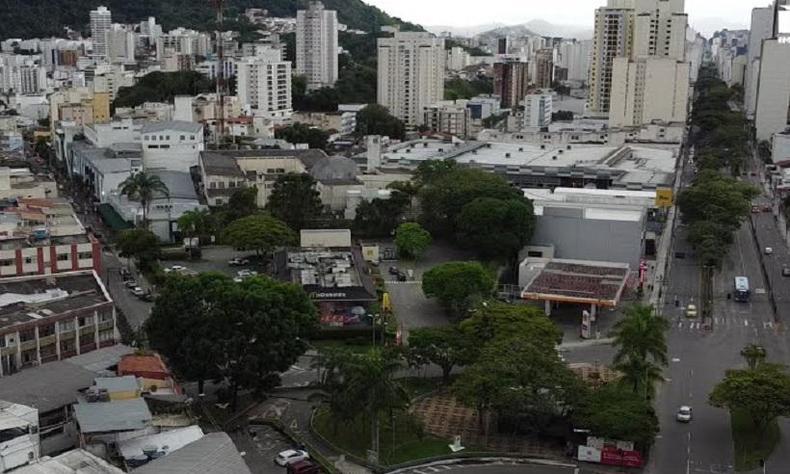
<point x="43" y="18"/>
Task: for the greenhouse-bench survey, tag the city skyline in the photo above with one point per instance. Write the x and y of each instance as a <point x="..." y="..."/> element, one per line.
<point x="465" y="13"/>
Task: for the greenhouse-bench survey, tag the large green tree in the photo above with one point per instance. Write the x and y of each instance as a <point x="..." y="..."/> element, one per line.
<point x="445" y="346"/>
<point x="379" y="217"/>
<point x="640" y="339"/>
<point x="141" y="245"/>
<point x="144" y="187"/>
<point x="412" y="240"/>
<point x="615" y="412"/>
<point x="376" y="120"/>
<point x="299" y="133"/>
<point x="250" y="331"/>
<point x="162" y="87"/>
<point x="495" y="228"/>
<point x="259" y="232"/>
<point x="763" y="393"/>
<point x="295" y="200"/>
<point x="197" y="223"/>
<point x="458" y="286"/>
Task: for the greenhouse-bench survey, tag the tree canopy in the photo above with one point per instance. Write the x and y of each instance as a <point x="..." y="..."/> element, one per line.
<point x="496" y="228"/>
<point x="375" y="119"/>
<point x="299" y="133"/>
<point x="259" y="232"/>
<point x="458" y="285"/>
<point x="445" y="346"/>
<point x="163" y="87"/>
<point x="246" y="333"/>
<point x="412" y="240"/>
<point x="615" y="413"/>
<point x="380" y="217"/>
<point x="763" y="393"/>
<point x="295" y="200"/>
<point x="640" y="339"/>
<point x="141" y="245"/>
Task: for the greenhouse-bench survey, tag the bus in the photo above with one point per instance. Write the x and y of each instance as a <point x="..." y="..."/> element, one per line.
<point x="742" y="292"/>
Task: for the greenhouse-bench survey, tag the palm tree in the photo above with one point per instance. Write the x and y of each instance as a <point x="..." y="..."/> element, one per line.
<point x="641" y="334"/>
<point x="754" y="355"/>
<point x="639" y="375"/>
<point x="143" y="187"/>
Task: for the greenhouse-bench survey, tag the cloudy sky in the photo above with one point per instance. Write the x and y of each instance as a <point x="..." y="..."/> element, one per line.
<point x="574" y="12"/>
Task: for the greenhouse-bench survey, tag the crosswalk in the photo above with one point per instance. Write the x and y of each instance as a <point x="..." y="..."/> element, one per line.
<point x="725" y="324"/>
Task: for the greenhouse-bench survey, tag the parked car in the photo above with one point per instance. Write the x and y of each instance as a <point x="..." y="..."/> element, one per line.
<point x="684" y="414"/>
<point x="394" y="270"/>
<point x="402" y="276"/>
<point x="130" y="283"/>
<point x="786" y="271"/>
<point x="238" y="262"/>
<point x="147" y="296"/>
<point x="246" y="273"/>
<point x="138" y="292"/>
<point x="290" y="456"/>
<point x="175" y="268"/>
<point x="125" y="274"/>
<point x="302" y="467"/>
<point x="691" y="311"/>
<point x="769" y="250"/>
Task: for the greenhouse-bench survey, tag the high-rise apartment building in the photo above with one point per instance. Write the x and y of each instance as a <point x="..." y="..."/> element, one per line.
<point x="511" y="81"/>
<point x="613" y="38"/>
<point x="410" y="74"/>
<point x="574" y="56"/>
<point x="101" y="21"/>
<point x="121" y="44"/>
<point x="544" y="68"/>
<point x="652" y="82"/>
<point x="316" y="45"/>
<point x="761" y="29"/>
<point x="264" y="84"/>
<point x="771" y="72"/>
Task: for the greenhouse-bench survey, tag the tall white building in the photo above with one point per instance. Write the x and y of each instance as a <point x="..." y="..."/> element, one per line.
<point x="761" y="28"/>
<point x="264" y="84"/>
<point x="410" y="74"/>
<point x="121" y="44"/>
<point x="770" y="74"/>
<point x="101" y="21"/>
<point x="652" y="83"/>
<point x="537" y="110"/>
<point x="316" y="45"/>
<point x="613" y="38"/>
<point x="575" y="56"/>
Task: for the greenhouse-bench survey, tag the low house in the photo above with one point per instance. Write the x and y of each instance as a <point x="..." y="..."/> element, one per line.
<point x="19" y="443"/>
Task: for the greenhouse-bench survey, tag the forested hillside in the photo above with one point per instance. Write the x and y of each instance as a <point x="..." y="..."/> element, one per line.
<point x="40" y="18"/>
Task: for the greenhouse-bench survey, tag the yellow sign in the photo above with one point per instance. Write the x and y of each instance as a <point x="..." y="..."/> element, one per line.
<point x="385" y="302"/>
<point x="664" y="197"/>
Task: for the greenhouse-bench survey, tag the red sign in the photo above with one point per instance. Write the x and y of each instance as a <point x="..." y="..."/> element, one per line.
<point x="616" y="457"/>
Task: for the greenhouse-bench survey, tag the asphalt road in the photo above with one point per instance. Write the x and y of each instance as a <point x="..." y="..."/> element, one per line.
<point x="701" y="352"/>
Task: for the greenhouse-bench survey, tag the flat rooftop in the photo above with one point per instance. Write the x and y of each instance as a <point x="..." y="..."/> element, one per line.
<point x="327" y="273"/>
<point x="30" y="299"/>
<point x="35" y="222"/>
<point x="574" y="281"/>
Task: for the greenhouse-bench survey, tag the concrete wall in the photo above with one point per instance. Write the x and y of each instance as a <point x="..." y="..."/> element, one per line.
<point x="585" y="239"/>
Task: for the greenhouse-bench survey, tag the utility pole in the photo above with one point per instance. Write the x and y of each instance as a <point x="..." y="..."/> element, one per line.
<point x="222" y="89"/>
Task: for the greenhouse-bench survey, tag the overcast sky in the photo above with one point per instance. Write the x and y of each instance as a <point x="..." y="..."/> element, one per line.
<point x="574" y="12"/>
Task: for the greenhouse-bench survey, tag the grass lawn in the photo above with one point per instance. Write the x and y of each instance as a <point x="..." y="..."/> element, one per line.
<point x="355" y="438"/>
<point x="750" y="445"/>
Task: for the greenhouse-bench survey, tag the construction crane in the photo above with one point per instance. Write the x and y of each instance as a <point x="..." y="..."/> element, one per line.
<point x="222" y="85"/>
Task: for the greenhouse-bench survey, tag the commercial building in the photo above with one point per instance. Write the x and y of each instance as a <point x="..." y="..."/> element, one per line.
<point x="537" y="110"/>
<point x="16" y="183"/>
<point x="410" y="74"/>
<point x="120" y="44"/>
<point x="511" y="81"/>
<point x="18" y="435"/>
<point x="613" y="38"/>
<point x="264" y="84"/>
<point x="171" y="145"/>
<point x="316" y="45"/>
<point x="54" y="317"/>
<point x="101" y="21"/>
<point x="544" y="69"/>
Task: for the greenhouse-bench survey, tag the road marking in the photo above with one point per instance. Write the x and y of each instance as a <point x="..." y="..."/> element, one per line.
<point x="680" y="324"/>
<point x="675" y="359"/>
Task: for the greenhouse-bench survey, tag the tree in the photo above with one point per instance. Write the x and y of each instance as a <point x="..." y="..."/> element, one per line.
<point x="496" y="228"/>
<point x="380" y="217"/>
<point x="763" y="393"/>
<point x="301" y="133"/>
<point x="754" y="354"/>
<point x="250" y="331"/>
<point x="140" y="244"/>
<point x="196" y="223"/>
<point x="717" y="198"/>
<point x="162" y="87"/>
<point x="295" y="200"/>
<point x="458" y="285"/>
<point x="445" y="346"/>
<point x="457" y="88"/>
<point x="450" y="188"/>
<point x="494" y="320"/>
<point x="242" y="203"/>
<point x="614" y="413"/>
<point x="144" y="187"/>
<point x="412" y="240"/>
<point x="562" y="116"/>
<point x="375" y="119"/>
<point x="640" y="339"/>
<point x="260" y="232"/>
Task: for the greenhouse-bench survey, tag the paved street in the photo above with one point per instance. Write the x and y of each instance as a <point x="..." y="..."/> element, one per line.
<point x="500" y="467"/>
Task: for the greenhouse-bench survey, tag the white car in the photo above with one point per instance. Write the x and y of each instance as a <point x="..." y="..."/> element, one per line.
<point x="291" y="456"/>
<point x="246" y="273"/>
<point x="175" y="268"/>
<point x="238" y="261"/>
<point x="137" y="291"/>
<point x="691" y="311"/>
<point x="769" y="250"/>
<point x="684" y="414"/>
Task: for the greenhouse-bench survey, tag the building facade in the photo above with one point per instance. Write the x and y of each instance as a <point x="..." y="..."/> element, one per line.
<point x="410" y="74"/>
<point x="101" y="21"/>
<point x="450" y="117"/>
<point x="613" y="38"/>
<point x="511" y="81"/>
<point x="537" y="110"/>
<point x="316" y="45"/>
<point x="264" y="85"/>
<point x="544" y="68"/>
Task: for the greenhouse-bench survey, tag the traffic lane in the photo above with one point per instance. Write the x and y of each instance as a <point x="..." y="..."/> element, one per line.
<point x="768" y="236"/>
<point x="134" y="310"/>
<point x="505" y="469"/>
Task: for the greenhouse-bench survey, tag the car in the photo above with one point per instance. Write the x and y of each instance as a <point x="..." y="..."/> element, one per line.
<point x="786" y="271"/>
<point x="684" y="414"/>
<point x="680" y="255"/>
<point x="756" y="209"/>
<point x="290" y="456"/>
<point x="394" y="270"/>
<point x="175" y="268"/>
<point x="130" y="283"/>
<point x="402" y="276"/>
<point x="769" y="250"/>
<point x="125" y="274"/>
<point x="147" y="297"/>
<point x="691" y="311"/>
<point x="137" y="291"/>
<point x="246" y="273"/>
<point x="238" y="262"/>
<point x="303" y="467"/>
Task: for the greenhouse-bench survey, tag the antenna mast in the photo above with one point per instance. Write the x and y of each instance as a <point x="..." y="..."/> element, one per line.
<point x="222" y="86"/>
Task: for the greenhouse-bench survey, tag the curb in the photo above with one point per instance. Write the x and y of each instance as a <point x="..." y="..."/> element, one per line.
<point x="484" y="461"/>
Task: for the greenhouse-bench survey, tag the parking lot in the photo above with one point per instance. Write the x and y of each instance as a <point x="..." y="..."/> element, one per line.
<point x="215" y="259"/>
<point x="260" y="444"/>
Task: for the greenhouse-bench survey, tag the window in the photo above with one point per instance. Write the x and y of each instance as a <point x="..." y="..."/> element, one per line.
<point x="7" y="263"/>
<point x="165" y="146"/>
<point x="62" y="257"/>
<point x="153" y="138"/>
<point x="183" y="137"/>
<point x="31" y="260"/>
<point x="85" y="255"/>
<point x="64" y="326"/>
<point x="145" y="138"/>
<point x="191" y="137"/>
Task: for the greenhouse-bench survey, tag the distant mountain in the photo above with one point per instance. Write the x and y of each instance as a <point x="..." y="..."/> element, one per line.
<point x="515" y="30"/>
<point x="42" y="18"/>
<point x="464" y="31"/>
<point x="538" y="28"/>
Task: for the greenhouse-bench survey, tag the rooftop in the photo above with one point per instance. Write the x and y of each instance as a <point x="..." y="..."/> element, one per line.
<point x="574" y="281"/>
<point x="167" y="441"/>
<point x="126" y="383"/>
<point x="116" y="415"/>
<point x="172" y="125"/>
<point x="76" y="461"/>
<point x="11" y="415"/>
<point x="30" y="299"/>
<point x="333" y="274"/>
<point x="226" y="162"/>
<point x="33" y="222"/>
<point x="46" y="387"/>
<point x="138" y="364"/>
<point x="214" y="453"/>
